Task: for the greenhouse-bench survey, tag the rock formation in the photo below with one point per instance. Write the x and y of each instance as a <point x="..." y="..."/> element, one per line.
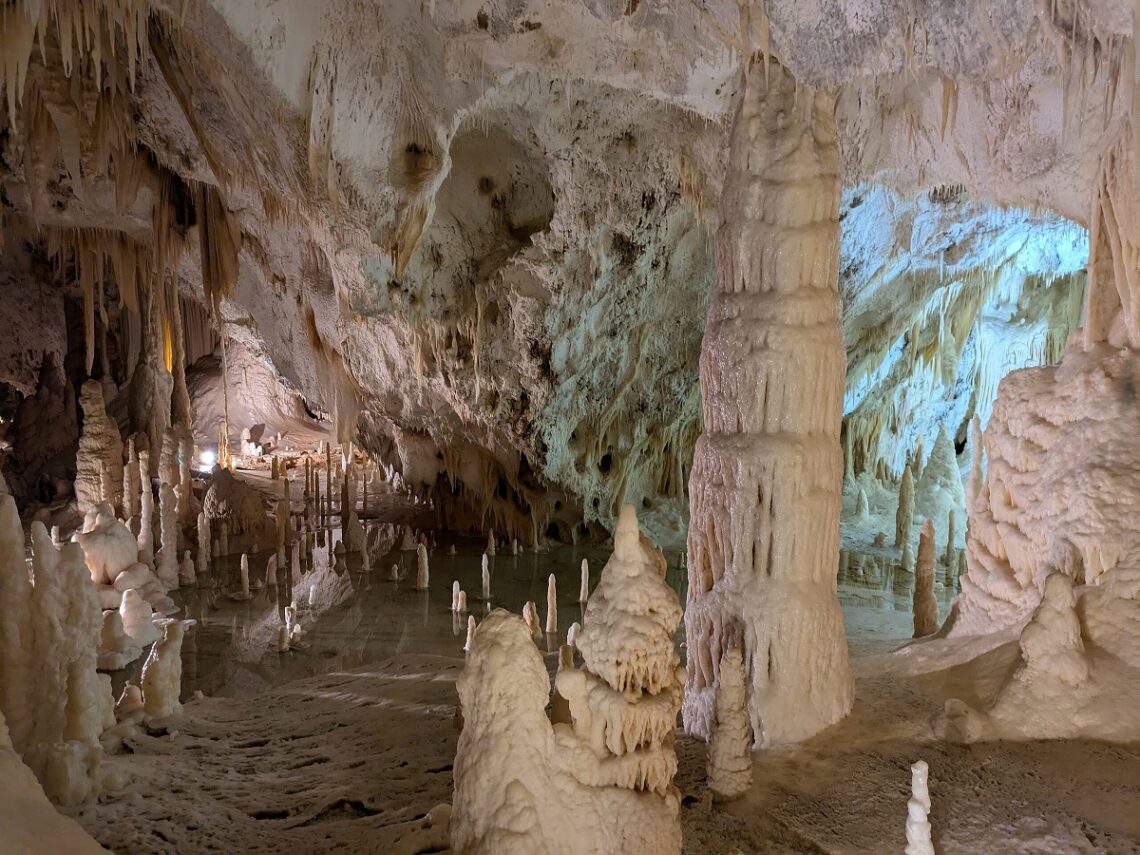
<point x="162" y="672"/>
<point x="55" y="702"/>
<point x="603" y="782"/>
<point x="939" y="492"/>
<point x="917" y="825"/>
<point x="764" y="522"/>
<point x="925" y="606"/>
<point x="100" y="449"/>
<point x="730" y="746"/>
<point x="904" y="517"/>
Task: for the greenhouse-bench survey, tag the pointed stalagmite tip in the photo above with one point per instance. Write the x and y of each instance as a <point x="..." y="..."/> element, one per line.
<point x="627" y="537"/>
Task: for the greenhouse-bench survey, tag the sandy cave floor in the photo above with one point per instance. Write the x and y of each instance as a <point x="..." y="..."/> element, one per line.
<point x="347" y="742"/>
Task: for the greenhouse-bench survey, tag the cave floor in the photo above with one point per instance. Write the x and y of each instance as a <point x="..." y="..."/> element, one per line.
<point x="347" y="741"/>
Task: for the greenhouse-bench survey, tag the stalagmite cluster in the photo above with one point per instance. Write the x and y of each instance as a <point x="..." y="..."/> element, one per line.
<point x="54" y="702"/>
<point x="601" y="782"/>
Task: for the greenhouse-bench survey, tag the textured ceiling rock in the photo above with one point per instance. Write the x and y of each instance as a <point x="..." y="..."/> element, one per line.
<point x="484" y="228"/>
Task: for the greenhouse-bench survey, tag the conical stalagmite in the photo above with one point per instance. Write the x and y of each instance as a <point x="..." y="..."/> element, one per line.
<point x="551" y="605"/>
<point x="925" y="607"/>
<point x="730" y="747"/>
<point x="904" y="517"/>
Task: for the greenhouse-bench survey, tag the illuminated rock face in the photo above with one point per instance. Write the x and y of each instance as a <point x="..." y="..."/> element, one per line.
<point x="767" y="472"/>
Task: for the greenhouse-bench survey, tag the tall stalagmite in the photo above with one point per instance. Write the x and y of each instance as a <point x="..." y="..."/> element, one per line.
<point x="904" y="516"/>
<point x="925" y="607"/>
<point x="767" y="472"/>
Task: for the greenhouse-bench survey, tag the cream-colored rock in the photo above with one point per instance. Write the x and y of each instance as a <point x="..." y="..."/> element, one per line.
<point x="730" y="746"/>
<point x="162" y="672"/>
<point x="100" y="450"/>
<point x="904" y="517"/>
<point x="765" y="487"/>
<point x="924" y="605"/>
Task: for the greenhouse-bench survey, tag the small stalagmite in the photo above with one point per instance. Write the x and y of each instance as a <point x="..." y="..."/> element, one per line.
<point x="551" y="605"/>
<point x="584" y="591"/>
<point x="146" y="511"/>
<point x="461" y="603"/>
<point x="421" y="568"/>
<point x="730" y="748"/>
<point x="167" y="559"/>
<point x="486" y="579"/>
<point x="204" y="544"/>
<point x="470" y="634"/>
<point x="455" y="595"/>
<point x="917" y="810"/>
<point x="862" y="507"/>
<point x="925" y="607"/>
<point x="491" y="543"/>
<point x="162" y="672"/>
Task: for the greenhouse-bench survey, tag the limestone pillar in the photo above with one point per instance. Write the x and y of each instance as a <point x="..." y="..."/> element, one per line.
<point x="765" y="490"/>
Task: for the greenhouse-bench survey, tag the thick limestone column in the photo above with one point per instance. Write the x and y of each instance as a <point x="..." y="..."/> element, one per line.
<point x="765" y="491"/>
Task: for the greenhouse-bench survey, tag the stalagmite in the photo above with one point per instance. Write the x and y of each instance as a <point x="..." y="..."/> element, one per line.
<point x="138" y="619"/>
<point x="598" y="777"/>
<point x="904" y="517"/>
<point x="951" y="536"/>
<point x="421" y="568"/>
<point x="765" y="487"/>
<point x="917" y="810"/>
<point x="572" y="634"/>
<point x="131" y="481"/>
<point x="16" y="629"/>
<point x="461" y="602"/>
<point x="100" y="449"/>
<point x="204" y="544"/>
<point x="584" y="590"/>
<point x="925" y="607"/>
<point x="455" y="595"/>
<point x="243" y="576"/>
<point x="162" y="672"/>
<point x="70" y="702"/>
<point x="551" y="605"/>
<point x="730" y="747"/>
<point x="862" y="508"/>
<point x="146" y="511"/>
<point x="486" y="578"/>
<point x="470" y="640"/>
<point x="530" y="617"/>
<point x="186" y="573"/>
<point x="491" y="543"/>
<point x="167" y="558"/>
